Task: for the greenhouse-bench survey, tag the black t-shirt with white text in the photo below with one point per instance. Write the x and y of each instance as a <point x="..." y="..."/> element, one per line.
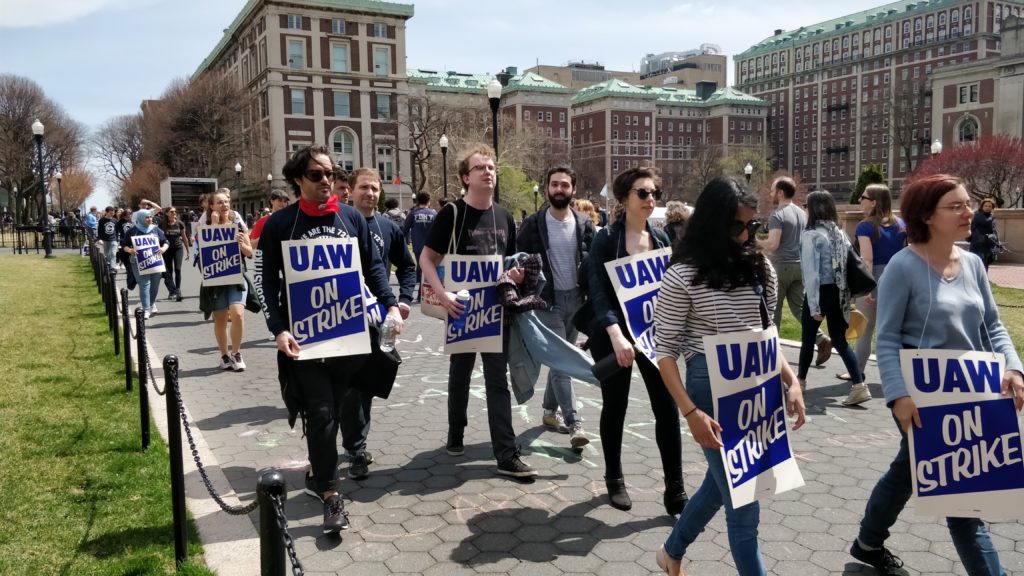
<point x="107" y="229"/>
<point x="477" y="232"/>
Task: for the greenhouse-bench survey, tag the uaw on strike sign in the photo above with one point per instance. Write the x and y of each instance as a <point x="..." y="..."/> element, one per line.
<point x="326" y="307"/>
<point x="966" y="459"/>
<point x="746" y="388"/>
<point x="147" y="254"/>
<point x="482" y="325"/>
<point x="220" y="257"/>
<point x="636" y="280"/>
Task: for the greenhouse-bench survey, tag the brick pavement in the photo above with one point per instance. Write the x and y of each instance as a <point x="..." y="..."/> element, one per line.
<point x="424" y="512"/>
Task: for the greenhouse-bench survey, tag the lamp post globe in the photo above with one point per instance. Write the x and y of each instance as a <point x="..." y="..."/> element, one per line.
<point x="60" y="195"/>
<point x="536" y="191"/>
<point x="494" y="97"/>
<point x="443" y="143"/>
<point x="44" y="221"/>
<point x="936" y="147"/>
<point x="238" y="173"/>
<point x="748" y="170"/>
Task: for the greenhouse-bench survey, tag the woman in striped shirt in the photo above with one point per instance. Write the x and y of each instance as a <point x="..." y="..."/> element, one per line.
<point x="715" y="284"/>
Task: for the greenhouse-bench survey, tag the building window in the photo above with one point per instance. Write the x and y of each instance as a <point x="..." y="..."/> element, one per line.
<point x="384" y="106"/>
<point x="380" y="30"/>
<point x="967" y="131"/>
<point x="386" y="163"/>
<point x="294" y="22"/>
<point x="382" y="60"/>
<point x="341" y="104"/>
<point x="298" y="101"/>
<point x="526" y="115"/>
<point x="561" y="116"/>
<point x="547" y="116"/>
<point x="343" y="145"/>
<point x="337" y="26"/>
<point x="339" y="57"/>
<point x="561" y="132"/>
<point x="296" y="54"/>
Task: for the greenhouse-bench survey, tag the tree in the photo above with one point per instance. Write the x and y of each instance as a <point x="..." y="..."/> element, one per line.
<point x="76" y="185"/>
<point x="992" y="167"/>
<point x="516" y="190"/>
<point x="911" y="102"/>
<point x="871" y="174"/>
<point x="706" y="164"/>
<point x="118" y="146"/>
<point x="144" y="182"/>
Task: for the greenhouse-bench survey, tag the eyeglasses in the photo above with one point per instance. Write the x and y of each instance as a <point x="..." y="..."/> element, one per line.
<point x="644" y="193"/>
<point x="866" y="197"/>
<point x="737" y="227"/>
<point x="318" y="175"/>
<point x="957" y="208"/>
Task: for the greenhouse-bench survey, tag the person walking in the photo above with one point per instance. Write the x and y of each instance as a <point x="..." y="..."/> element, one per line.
<point x="984" y="240"/>
<point x="416" y="228"/>
<point x="179" y="245"/>
<point x="228" y="302"/>
<point x="149" y="284"/>
<point x="933" y="295"/>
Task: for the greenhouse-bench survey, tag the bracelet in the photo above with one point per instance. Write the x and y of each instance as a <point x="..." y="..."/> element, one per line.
<point x="687" y="415"/>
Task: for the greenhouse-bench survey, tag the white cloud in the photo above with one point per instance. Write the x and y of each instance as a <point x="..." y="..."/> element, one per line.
<point x="32" y="14"/>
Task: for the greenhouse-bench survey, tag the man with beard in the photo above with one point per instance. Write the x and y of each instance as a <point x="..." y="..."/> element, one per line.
<point x="562" y="237"/>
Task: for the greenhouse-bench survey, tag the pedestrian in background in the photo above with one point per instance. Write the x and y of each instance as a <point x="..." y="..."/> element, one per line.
<point x="984" y="240"/>
<point x="179" y="244"/>
<point x="149" y="284"/>
<point x="416" y="228"/>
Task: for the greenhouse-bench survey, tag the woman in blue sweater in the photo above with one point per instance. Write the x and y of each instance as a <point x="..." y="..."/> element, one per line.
<point x="933" y="296"/>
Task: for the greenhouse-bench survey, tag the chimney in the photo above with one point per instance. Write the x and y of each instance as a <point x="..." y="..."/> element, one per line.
<point x="705" y="89"/>
<point x="778" y="31"/>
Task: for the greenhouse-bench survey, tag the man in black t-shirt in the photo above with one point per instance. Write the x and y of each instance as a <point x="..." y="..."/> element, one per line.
<point x="106" y="230"/>
<point x="481" y="227"/>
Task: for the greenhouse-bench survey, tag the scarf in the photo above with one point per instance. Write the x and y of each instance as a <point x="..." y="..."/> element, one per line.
<point x="140" y="220"/>
<point x="313" y="209"/>
<point x="840" y="248"/>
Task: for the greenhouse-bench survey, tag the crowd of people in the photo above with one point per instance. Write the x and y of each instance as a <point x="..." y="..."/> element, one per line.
<point x="722" y="278"/>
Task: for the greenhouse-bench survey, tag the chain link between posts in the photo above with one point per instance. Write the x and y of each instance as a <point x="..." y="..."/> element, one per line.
<point x="289" y="544"/>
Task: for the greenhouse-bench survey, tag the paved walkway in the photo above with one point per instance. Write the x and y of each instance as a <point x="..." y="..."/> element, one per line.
<point x="424" y="512"/>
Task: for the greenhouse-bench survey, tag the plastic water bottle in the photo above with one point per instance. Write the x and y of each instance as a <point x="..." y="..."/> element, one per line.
<point x="387" y="335"/>
<point x="460" y="322"/>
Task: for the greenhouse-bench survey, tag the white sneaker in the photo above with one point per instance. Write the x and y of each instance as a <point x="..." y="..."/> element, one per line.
<point x="226" y="363"/>
<point x="859" y="394"/>
<point x="146" y="315"/>
<point x="153" y="310"/>
<point x="237" y="364"/>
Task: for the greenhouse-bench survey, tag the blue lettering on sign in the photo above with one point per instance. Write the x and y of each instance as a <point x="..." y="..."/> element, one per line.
<point x="753" y="430"/>
<point x="326" y="308"/>
<point x="746" y="360"/>
<point x="483" y="317"/>
<point x="217" y="234"/>
<point x="375" y="312"/>
<point x="320" y="257"/>
<point x="968" y="447"/>
<point x="959" y="375"/>
<point x="463" y="271"/>
<point x="220" y="261"/>
<point x="640" y="313"/>
<point x="641" y="272"/>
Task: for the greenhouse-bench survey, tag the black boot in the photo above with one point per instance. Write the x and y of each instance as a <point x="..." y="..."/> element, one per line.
<point x="675" y="498"/>
<point x="617" y="493"/>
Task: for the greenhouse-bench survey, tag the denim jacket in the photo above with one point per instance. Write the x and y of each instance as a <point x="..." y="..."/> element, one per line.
<point x="816" y="265"/>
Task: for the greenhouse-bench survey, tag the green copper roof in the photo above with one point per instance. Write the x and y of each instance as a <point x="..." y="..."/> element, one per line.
<point x="664" y="96"/>
<point x="368" y="6"/>
<point x="868" y="18"/>
<point x="477" y="83"/>
<point x="535" y="82"/>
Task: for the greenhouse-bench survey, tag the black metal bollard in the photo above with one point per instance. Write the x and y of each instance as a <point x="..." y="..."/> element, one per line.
<point x="273" y="561"/>
<point x="177" y="468"/>
<point x="126" y="329"/>
<point x="140" y="345"/>
<point x="113" y="315"/>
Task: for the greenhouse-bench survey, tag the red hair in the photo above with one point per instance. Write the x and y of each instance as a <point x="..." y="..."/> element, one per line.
<point x="918" y="202"/>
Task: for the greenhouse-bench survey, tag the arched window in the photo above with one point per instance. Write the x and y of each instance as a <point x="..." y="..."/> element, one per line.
<point x="344" y="148"/>
<point x="967" y="130"/>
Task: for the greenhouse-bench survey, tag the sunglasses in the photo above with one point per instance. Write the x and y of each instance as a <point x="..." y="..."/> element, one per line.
<point x="736" y="227"/>
<point x="644" y="193"/>
<point x="318" y="175"/>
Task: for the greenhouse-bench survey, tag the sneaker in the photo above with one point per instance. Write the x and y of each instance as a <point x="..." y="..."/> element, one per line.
<point x="178" y="297"/>
<point x="153" y="310"/>
<point x="554" y="421"/>
<point x="237" y="364"/>
<point x="859" y="394"/>
<point x="455" y="447"/>
<point x="577" y="437"/>
<point x="310" y="488"/>
<point x="335" y="517"/>
<point x="824" y="351"/>
<point x="882" y="560"/>
<point x="359" y="468"/>
<point x="226" y="363"/>
<point x="146" y="315"/>
<point x="516" y="468"/>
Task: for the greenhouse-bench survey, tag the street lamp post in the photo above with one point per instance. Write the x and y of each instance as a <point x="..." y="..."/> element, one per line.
<point x="60" y="194"/>
<point x="494" y="97"/>
<point x="936" y="147"/>
<point x="443" y="143"/>
<point x="747" y="171"/>
<point x="536" y="189"/>
<point x="44" y="221"/>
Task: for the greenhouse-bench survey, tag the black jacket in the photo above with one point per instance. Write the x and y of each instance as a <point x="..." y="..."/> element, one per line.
<point x="393" y="250"/>
<point x="533" y="239"/>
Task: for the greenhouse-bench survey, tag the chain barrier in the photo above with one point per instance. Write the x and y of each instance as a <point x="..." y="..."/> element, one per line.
<point x="149" y="364"/>
<point x="289" y="543"/>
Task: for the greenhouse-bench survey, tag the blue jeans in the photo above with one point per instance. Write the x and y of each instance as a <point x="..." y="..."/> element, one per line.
<point x="110" y="252"/>
<point x="559" y="392"/>
<point x="149" y="286"/>
<point x="970" y="535"/>
<point x="742" y="522"/>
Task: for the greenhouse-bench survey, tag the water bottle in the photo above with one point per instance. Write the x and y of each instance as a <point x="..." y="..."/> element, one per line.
<point x="460" y="322"/>
<point x="387" y="335"/>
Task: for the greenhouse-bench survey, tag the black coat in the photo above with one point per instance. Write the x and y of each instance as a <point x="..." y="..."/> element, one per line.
<point x="533" y="239"/>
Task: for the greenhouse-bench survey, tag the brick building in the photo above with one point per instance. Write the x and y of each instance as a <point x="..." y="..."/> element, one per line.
<point x="856" y="90"/>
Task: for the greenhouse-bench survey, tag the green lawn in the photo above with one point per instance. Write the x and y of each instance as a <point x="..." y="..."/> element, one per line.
<point x="77" y="494"/>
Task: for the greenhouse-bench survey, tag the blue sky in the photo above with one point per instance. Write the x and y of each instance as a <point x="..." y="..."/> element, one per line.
<point x="101" y="58"/>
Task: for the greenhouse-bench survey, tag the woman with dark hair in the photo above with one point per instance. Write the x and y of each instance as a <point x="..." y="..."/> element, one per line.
<point x="933" y="296"/>
<point x="637" y="192"/>
<point x="676" y="215"/>
<point x="984" y="239"/>
<point x="717" y="283"/>
<point x="823" y="251"/>
<point x="179" y="242"/>
<point x="880" y="235"/>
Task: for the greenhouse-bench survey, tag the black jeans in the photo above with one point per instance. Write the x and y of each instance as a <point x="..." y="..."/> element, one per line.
<point x="172" y="269"/>
<point x="615" y="400"/>
<point x="828" y="299"/>
<point x="355" y="420"/>
<point x="499" y="399"/>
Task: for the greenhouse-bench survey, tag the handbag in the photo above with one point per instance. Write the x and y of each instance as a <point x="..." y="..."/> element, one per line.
<point x="430" y="301"/>
<point x="859" y="279"/>
<point x="858" y="322"/>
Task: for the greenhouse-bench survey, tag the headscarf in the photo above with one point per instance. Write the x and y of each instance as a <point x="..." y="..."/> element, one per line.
<point x="139" y="217"/>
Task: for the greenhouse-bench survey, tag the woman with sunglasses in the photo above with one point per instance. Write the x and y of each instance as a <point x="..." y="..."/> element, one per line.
<point x="717" y="283"/>
<point x="180" y="243"/>
<point x="880" y="235"/>
<point x="823" y="252"/>
<point x="228" y="302"/>
<point x="636" y="191"/>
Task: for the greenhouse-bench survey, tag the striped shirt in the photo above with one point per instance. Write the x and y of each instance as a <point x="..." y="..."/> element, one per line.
<point x="562" y="251"/>
<point x="686" y="313"/>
